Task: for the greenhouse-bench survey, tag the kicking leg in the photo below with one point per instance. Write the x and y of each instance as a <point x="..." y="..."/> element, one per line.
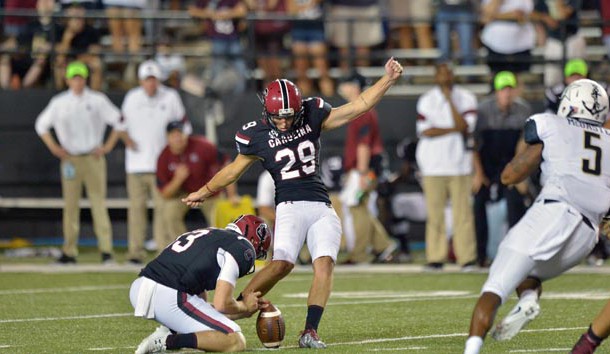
<point x="267" y="277"/>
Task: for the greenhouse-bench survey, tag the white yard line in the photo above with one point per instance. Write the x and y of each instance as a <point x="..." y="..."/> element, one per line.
<point x="298" y="269"/>
<point x="432" y="336"/>
<point x="541" y="350"/>
<point x="84" y="317"/>
<point x="61" y="290"/>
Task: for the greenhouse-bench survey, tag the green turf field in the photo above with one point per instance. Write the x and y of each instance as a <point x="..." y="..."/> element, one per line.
<point x="85" y="309"/>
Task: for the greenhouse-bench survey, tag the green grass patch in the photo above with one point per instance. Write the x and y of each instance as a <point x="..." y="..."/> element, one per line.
<point x="393" y="312"/>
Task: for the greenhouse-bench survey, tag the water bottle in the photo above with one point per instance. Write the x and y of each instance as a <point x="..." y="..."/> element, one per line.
<point x="68" y="170"/>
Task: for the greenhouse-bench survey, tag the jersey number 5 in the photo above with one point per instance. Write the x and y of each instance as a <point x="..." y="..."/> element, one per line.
<point x="594" y="168"/>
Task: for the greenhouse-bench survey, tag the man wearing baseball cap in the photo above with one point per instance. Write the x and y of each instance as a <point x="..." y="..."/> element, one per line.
<point x="147" y="109"/>
<point x="77" y="68"/>
<point x="502" y="116"/>
<point x="79" y="117"/>
<point x="575" y="69"/>
<point x="186" y="162"/>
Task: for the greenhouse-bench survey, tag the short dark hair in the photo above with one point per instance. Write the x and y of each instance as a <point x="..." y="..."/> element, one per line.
<point x="175" y="125"/>
<point x="355" y="78"/>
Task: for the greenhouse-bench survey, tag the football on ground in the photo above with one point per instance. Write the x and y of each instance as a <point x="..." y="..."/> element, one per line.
<point x="270" y="327"/>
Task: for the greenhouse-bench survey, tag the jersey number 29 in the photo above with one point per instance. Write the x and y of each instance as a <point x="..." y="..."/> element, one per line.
<point x="305" y="152"/>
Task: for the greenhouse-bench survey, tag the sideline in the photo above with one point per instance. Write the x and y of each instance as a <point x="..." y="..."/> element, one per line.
<point x="339" y="269"/>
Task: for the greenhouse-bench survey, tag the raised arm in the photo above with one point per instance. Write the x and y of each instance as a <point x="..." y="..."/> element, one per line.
<point x="367" y="100"/>
<point x="229" y="174"/>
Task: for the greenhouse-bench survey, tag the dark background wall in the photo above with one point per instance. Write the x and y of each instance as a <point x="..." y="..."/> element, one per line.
<point x="27" y="168"/>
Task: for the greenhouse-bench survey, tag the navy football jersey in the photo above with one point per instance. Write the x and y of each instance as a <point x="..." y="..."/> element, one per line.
<point x="292" y="157"/>
<point x="190" y="264"/>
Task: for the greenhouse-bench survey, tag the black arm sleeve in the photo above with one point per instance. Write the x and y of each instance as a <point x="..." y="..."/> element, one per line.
<point x="530" y="133"/>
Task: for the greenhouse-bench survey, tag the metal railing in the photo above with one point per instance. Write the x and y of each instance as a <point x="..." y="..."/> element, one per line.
<point x="158" y="17"/>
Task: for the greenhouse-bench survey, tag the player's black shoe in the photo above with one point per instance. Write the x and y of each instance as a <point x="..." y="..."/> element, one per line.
<point x="65" y="259"/>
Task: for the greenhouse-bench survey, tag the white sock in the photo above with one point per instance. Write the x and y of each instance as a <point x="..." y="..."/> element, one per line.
<point x="473" y="345"/>
<point x="529" y="295"/>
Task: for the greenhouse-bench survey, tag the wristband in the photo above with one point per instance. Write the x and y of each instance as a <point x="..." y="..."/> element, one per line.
<point x="209" y="190"/>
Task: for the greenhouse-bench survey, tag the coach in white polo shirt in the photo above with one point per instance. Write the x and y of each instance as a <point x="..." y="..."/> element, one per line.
<point x="146" y="111"/>
<point x="446" y="118"/>
<point x="79" y="117"/>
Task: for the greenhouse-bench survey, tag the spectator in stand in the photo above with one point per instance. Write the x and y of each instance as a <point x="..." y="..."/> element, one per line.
<point x="87" y="4"/>
<point x="172" y="64"/>
<point x="605" y="14"/>
<point x="222" y="23"/>
<point x="15" y="25"/>
<point x="411" y="16"/>
<point x="362" y="164"/>
<point x="125" y="26"/>
<point x="459" y="16"/>
<point x="498" y="131"/>
<point x="508" y="35"/>
<point x="147" y="109"/>
<point x="79" y="117"/>
<point x="31" y="66"/>
<point x="309" y="44"/>
<point x="561" y="31"/>
<point x="269" y="37"/>
<point x="446" y="118"/>
<point x="182" y="165"/>
<point x="575" y="69"/>
<point x="363" y="31"/>
<point x="79" y="42"/>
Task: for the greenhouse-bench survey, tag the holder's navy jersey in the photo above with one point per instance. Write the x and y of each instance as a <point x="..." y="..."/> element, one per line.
<point x="292" y="157"/>
<point x="190" y="263"/>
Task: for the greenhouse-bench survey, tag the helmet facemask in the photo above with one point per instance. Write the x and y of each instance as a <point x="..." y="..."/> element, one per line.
<point x="282" y="99"/>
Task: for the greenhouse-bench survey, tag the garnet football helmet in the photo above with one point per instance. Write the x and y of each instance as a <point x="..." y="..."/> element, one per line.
<point x="256" y="231"/>
<point x="281" y="99"/>
<point x="585" y="100"/>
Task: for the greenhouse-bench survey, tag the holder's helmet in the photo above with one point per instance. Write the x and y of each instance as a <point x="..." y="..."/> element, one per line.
<point x="256" y="231"/>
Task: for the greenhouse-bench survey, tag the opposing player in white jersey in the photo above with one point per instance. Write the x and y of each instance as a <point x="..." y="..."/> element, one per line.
<point x="560" y="228"/>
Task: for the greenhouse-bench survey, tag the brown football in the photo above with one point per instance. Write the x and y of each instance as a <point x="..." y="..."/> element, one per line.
<point x="270" y="327"/>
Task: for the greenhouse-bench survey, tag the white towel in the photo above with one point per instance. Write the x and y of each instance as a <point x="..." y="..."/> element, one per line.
<point x="145" y="306"/>
<point x="350" y="194"/>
